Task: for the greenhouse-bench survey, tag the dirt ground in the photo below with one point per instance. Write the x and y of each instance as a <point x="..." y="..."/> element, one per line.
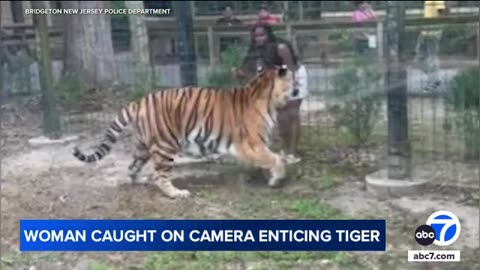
<point x="47" y="182"/>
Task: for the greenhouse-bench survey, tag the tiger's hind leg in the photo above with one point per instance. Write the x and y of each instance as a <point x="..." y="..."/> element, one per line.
<point x="140" y="157"/>
<point x="163" y="166"/>
<point x="261" y="156"/>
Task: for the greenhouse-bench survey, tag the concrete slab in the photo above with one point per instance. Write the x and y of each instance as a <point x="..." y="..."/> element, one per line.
<point x="381" y="186"/>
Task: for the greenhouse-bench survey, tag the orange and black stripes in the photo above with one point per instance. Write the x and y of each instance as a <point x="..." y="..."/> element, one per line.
<point x="123" y="118"/>
<point x="170" y="120"/>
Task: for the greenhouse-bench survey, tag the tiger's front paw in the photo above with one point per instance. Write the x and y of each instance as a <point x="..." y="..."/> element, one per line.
<point x="278" y="172"/>
<point x="171" y="191"/>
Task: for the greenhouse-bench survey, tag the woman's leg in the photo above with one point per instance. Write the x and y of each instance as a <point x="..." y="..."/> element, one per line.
<point x="289" y="128"/>
<point x="283" y="127"/>
<point x="295" y="126"/>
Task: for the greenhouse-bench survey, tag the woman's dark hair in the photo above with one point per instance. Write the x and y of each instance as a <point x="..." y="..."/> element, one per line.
<point x="270" y="56"/>
<point x="271" y="38"/>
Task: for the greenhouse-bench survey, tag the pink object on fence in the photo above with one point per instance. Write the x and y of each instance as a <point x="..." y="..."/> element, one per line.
<point x="363" y="15"/>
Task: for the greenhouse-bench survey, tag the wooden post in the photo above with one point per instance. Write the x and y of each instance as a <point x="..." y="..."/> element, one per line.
<point x="380" y="39"/>
<point x="51" y="120"/>
<point x="211" y="47"/>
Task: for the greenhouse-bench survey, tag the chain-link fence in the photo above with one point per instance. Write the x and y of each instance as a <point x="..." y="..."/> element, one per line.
<point x="327" y="49"/>
<point x="101" y="62"/>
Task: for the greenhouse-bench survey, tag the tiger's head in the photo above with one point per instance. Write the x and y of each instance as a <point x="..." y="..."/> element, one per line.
<point x="275" y="84"/>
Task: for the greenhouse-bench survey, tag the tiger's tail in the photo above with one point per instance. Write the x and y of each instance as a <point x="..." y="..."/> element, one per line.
<point x="124" y="117"/>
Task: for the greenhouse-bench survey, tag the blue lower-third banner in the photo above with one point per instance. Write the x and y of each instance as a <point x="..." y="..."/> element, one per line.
<point x="198" y="235"/>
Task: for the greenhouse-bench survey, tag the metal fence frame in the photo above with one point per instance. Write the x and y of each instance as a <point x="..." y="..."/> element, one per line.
<point x="293" y="31"/>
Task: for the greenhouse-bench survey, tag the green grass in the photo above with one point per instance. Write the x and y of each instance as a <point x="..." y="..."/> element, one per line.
<point x="99" y="266"/>
<point x="285" y="206"/>
<point x="252" y="260"/>
<point x="313" y="209"/>
<point x="424" y="138"/>
<point x="321" y="180"/>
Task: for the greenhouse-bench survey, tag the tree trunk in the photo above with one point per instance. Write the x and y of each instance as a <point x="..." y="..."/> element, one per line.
<point x="140" y="47"/>
<point x="51" y="120"/>
<point x="88" y="44"/>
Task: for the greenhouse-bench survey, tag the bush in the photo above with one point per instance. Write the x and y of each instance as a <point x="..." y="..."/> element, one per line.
<point x="221" y="74"/>
<point x="463" y="99"/>
<point x="357" y="87"/>
<point x="458" y="39"/>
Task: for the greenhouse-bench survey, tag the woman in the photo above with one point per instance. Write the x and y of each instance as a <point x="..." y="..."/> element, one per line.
<point x="266" y="50"/>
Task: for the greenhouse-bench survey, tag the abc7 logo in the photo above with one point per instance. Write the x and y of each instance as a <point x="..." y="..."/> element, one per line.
<point x="425" y="235"/>
<point x="442" y="229"/>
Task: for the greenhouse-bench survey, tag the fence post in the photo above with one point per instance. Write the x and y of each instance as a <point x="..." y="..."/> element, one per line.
<point x="478" y="58"/>
<point x="399" y="152"/>
<point x="300" y="11"/>
<point x="185" y="42"/>
<point x="211" y="47"/>
<point x="380" y="39"/>
<point x="288" y="30"/>
<point x="1" y="55"/>
<point x="51" y="120"/>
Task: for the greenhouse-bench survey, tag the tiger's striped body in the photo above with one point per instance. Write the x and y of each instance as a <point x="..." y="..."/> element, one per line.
<point x="203" y="122"/>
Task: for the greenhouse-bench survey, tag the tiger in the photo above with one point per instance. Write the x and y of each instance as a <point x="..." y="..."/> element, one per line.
<point x="203" y="122"/>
